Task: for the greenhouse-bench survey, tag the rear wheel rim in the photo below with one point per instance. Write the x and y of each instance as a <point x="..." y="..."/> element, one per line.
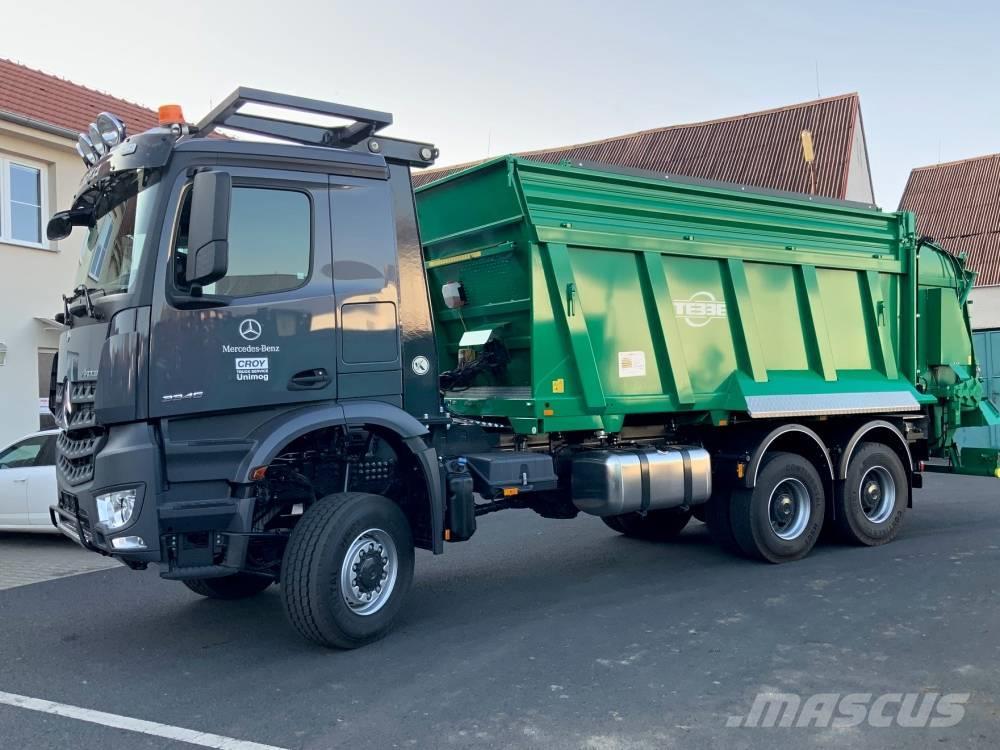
<point x="789" y="509"/>
<point x="877" y="494"/>
<point x="369" y="571"/>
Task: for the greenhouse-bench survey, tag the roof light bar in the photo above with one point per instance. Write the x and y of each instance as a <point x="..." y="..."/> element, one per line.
<point x="85" y="148"/>
<point x="112" y="129"/>
<point x="102" y="135"/>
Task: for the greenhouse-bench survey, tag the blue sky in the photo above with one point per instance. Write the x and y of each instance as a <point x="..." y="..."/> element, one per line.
<point x="478" y="77"/>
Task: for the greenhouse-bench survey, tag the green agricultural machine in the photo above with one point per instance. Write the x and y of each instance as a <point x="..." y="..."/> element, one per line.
<point x="598" y="315"/>
<point x="282" y="364"/>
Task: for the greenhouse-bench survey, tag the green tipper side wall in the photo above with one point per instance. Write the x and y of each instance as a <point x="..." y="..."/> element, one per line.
<point x="619" y="296"/>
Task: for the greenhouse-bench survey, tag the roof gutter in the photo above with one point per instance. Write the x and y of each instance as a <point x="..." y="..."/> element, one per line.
<point x="45" y="127"/>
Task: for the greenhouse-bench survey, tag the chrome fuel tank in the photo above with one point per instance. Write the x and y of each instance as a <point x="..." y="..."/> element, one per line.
<point x="610" y="482"/>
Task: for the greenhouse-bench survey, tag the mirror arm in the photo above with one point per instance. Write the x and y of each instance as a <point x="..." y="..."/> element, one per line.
<point x="194" y="301"/>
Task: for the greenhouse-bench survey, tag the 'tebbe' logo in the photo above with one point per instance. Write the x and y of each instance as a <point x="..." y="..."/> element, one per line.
<point x="250" y="329"/>
<point x="700" y="310"/>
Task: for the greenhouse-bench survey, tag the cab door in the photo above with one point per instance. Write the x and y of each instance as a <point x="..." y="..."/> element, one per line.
<point x="266" y="333"/>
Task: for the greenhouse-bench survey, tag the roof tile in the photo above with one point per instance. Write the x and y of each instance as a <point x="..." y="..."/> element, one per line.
<point x="762" y="149"/>
<point x="53" y="100"/>
<point x="958" y="204"/>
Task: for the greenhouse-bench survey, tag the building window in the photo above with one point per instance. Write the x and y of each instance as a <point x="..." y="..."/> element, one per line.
<point x="46" y="360"/>
<point x="22" y="202"/>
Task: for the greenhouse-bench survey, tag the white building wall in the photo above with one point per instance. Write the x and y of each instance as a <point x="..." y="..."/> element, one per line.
<point x="32" y="279"/>
<point x="859" y="178"/>
<point x="985" y="311"/>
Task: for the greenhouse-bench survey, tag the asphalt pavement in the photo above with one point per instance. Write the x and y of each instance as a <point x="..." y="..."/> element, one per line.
<point x="537" y="634"/>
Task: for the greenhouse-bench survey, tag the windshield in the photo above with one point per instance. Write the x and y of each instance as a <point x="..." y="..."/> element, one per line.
<point x="115" y="244"/>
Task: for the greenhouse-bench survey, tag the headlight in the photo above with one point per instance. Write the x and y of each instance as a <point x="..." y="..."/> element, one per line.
<point x="110" y="129"/>
<point x="114" y="509"/>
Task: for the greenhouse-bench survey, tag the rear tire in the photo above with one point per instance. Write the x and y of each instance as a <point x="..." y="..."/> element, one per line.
<point x="347" y="568"/>
<point x="614" y="523"/>
<point x="780" y="519"/>
<point x="718" y="520"/>
<point x="238" y="586"/>
<point x="655" y="526"/>
<point x="870" y="504"/>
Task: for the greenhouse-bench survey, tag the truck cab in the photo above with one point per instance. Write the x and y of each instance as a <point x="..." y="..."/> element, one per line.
<point x="237" y="298"/>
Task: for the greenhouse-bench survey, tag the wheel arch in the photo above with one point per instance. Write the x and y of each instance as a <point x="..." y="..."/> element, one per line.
<point x="818" y="452"/>
<point x="866" y="433"/>
<point x="404" y="431"/>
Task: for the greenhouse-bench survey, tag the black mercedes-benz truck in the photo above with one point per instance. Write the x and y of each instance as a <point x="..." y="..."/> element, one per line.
<point x="250" y="332"/>
<point x="248" y="388"/>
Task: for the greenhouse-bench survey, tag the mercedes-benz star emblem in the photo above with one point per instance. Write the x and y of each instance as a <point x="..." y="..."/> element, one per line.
<point x="67" y="404"/>
<point x="250" y="329"/>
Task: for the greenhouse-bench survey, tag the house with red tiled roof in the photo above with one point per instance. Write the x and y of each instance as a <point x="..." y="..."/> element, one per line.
<point x="958" y="204"/>
<point x="760" y="149"/>
<point x="41" y="116"/>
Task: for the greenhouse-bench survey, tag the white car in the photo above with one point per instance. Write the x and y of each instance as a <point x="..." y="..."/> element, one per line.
<point x="28" y="483"/>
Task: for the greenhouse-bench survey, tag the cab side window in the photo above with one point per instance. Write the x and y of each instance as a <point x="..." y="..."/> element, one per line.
<point x="270" y="242"/>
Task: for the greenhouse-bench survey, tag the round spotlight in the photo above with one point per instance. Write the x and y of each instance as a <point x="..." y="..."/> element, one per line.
<point x="85" y="147"/>
<point x="95" y="138"/>
<point x="426" y="154"/>
<point x="112" y="129"/>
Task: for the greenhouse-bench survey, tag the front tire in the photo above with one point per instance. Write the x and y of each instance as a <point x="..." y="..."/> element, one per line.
<point x="347" y="568"/>
<point x="655" y="526"/>
<point x="869" y="505"/>
<point x="238" y="586"/>
<point x="780" y="519"/>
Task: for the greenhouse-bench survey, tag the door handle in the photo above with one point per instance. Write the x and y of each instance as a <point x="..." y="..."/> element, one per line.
<point x="309" y="380"/>
<point x="20" y="481"/>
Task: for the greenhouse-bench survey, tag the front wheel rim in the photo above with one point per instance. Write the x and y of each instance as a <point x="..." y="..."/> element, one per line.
<point x="368" y="572"/>
<point x="877" y="494"/>
<point x="789" y="509"/>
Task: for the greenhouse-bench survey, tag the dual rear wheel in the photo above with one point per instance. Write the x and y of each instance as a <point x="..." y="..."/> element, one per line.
<point x="781" y="517"/>
<point x="871" y="502"/>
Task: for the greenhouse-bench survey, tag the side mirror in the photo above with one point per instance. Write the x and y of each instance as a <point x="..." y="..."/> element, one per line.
<point x="62" y="223"/>
<point x="208" y="230"/>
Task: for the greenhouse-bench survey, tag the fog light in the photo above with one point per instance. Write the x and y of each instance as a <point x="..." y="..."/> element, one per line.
<point x="128" y="542"/>
<point x="114" y="509"/>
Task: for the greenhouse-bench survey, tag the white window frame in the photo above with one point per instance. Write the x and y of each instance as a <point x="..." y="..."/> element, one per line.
<point x="5" y="212"/>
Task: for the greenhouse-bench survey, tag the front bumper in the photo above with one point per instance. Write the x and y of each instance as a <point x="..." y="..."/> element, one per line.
<point x="67" y="519"/>
<point x="125" y="457"/>
<point x="188" y="529"/>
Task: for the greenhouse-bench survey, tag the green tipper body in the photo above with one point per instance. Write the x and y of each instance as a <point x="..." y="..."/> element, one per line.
<point x="626" y="299"/>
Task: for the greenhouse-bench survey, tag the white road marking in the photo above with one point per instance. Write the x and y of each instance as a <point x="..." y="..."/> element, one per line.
<point x="204" y="739"/>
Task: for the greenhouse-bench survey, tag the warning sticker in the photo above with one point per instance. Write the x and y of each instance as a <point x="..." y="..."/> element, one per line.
<point x="631" y="364"/>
